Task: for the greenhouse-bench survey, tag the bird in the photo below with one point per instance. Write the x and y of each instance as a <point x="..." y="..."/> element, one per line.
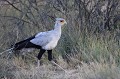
<point x="44" y="41"/>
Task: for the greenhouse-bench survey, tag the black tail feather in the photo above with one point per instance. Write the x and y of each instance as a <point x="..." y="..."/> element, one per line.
<point x="25" y="40"/>
<point x="26" y="44"/>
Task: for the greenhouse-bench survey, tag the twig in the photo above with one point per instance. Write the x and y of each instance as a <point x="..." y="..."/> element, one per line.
<point x="58" y="66"/>
<point x="17" y="18"/>
<point x="6" y="51"/>
<point x="13" y="6"/>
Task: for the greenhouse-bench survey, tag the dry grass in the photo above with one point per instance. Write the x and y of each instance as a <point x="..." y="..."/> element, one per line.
<point x="86" y="50"/>
<point x="20" y="70"/>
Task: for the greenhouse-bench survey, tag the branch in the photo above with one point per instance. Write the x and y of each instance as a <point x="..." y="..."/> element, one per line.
<point x="17" y="18"/>
<point x="13" y="6"/>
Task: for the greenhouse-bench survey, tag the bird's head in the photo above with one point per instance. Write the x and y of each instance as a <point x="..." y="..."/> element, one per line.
<point x="60" y="21"/>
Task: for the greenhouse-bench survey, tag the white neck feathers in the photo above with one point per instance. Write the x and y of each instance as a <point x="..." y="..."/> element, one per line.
<point x="57" y="27"/>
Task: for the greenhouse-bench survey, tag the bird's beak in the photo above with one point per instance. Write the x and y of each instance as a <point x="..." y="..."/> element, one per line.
<point x="65" y="22"/>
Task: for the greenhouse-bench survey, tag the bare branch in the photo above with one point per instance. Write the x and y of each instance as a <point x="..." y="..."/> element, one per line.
<point x="12" y="17"/>
<point x="13" y="6"/>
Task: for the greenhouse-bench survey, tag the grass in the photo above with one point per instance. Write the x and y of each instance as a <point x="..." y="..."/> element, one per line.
<point x="20" y="70"/>
<point x="82" y="52"/>
<point x="87" y="57"/>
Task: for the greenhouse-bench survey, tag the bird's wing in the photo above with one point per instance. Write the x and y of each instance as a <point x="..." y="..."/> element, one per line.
<point x="42" y="38"/>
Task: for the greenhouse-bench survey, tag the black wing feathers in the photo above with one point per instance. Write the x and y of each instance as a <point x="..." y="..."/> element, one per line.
<point x="26" y="40"/>
<point x="26" y="44"/>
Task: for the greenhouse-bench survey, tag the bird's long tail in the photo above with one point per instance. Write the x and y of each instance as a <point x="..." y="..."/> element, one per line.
<point x="8" y="50"/>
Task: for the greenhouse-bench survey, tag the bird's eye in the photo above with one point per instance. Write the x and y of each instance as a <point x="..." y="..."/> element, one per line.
<point x="61" y="21"/>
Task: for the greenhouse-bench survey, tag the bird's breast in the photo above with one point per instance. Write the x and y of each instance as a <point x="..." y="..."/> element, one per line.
<point x="51" y="45"/>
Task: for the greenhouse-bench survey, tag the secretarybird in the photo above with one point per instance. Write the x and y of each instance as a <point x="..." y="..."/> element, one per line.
<point x="45" y="41"/>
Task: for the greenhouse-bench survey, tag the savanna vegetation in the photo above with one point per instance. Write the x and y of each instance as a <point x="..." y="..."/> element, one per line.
<point x="89" y="47"/>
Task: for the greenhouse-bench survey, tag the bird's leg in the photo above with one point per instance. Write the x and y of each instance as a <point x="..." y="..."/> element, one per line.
<point x="49" y="55"/>
<point x="40" y="55"/>
<point x="50" y="59"/>
<point x="38" y="63"/>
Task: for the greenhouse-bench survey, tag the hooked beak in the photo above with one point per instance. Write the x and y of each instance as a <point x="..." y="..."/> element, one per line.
<point x="65" y="22"/>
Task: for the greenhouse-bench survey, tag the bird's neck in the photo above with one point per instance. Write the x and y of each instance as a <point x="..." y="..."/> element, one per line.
<point x="57" y="28"/>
